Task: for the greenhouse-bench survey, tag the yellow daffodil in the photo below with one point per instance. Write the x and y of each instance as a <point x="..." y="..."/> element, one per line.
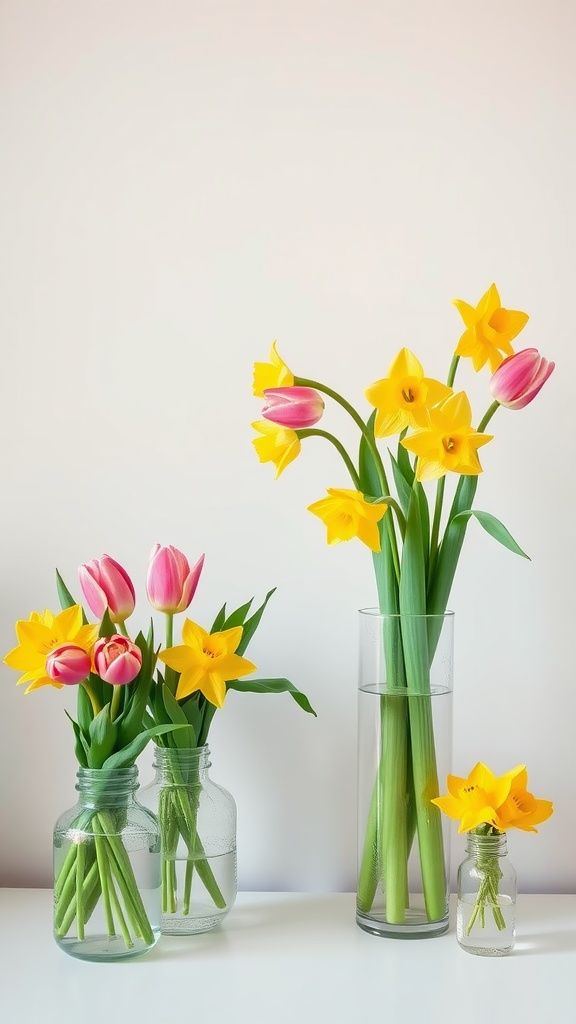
<point x="280" y="445"/>
<point x="206" y="661"/>
<point x="521" y="809"/>
<point x="403" y="397"/>
<point x="347" y="514"/>
<point x="274" y="374"/>
<point x="502" y="803"/>
<point x="39" y="635"/>
<point x="449" y="442"/>
<point x="489" y="330"/>
<point x="475" y="800"/>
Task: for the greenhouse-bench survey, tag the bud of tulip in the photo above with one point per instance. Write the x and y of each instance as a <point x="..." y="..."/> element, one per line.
<point x="519" y="378"/>
<point x="171" y="583"/>
<point x="68" y="664"/>
<point x="294" y="407"/>
<point x="117" y="660"/>
<point x="106" y="585"/>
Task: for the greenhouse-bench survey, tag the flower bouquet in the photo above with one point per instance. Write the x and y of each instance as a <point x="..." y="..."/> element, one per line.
<point x="197" y="676"/>
<point x="415" y="546"/>
<point x="487" y="807"/>
<point x="106" y="883"/>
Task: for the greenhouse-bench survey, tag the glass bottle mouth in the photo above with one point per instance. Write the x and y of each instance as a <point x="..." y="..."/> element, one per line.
<point x="97" y="782"/>
<point x="494" y="845"/>
<point x="185" y="758"/>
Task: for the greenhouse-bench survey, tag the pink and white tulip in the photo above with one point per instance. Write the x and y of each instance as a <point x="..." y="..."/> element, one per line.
<point x="171" y="583"/>
<point x="519" y="378"/>
<point x="106" y="585"/>
<point x="68" y="664"/>
<point x="117" y="660"/>
<point x="296" y="407"/>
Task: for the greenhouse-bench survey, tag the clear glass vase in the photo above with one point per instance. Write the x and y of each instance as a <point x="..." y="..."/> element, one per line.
<point x="198" y="828"/>
<point x="106" y="870"/>
<point x="486" y="914"/>
<point x="404" y="748"/>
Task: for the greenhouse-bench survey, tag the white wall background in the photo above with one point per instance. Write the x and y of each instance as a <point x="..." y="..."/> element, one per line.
<point x="182" y="182"/>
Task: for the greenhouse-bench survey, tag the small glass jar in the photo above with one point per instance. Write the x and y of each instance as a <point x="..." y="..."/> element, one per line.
<point x="486" y="913"/>
<point x="198" y="828"/>
<point x="106" y="870"/>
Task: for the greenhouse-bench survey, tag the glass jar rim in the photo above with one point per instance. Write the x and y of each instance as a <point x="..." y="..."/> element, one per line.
<point x="376" y="613"/>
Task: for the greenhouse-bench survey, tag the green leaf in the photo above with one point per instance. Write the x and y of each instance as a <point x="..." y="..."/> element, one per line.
<point x="102" y="738"/>
<point x="125" y="758"/>
<point x="441" y="584"/>
<point x="369" y="479"/>
<point x="84" y="709"/>
<point x="107" y="627"/>
<point x="403" y="488"/>
<point x="237" y="617"/>
<point x="80" y="746"/>
<point x="272" y="686"/>
<point x="251" y="625"/>
<point x="64" y="595"/>
<point x="219" y="620"/>
<point x="495" y="528"/>
<point x="182" y="738"/>
<point x="403" y="460"/>
<point x="424" y="514"/>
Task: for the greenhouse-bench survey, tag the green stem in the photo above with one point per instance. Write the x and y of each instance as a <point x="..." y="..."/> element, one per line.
<point x="452" y="370"/>
<point x="436" y="525"/>
<point x="170" y="676"/>
<point x="115" y="702"/>
<point x="488" y="416"/>
<point x="122" y="629"/>
<point x="313" y="432"/>
<point x="85" y="684"/>
<point x="104" y="881"/>
<point x="79" y="884"/>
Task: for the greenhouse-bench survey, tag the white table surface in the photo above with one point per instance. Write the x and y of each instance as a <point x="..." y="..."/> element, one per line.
<point x="290" y="958"/>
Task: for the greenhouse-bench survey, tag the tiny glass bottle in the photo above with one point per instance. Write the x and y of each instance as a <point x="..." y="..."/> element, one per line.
<point x="198" y="830"/>
<point x="486" y="912"/>
<point x="106" y="870"/>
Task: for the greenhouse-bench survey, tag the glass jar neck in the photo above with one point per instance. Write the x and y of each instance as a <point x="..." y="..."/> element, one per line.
<point x="182" y="764"/>
<point x="107" y="786"/>
<point x="487" y="846"/>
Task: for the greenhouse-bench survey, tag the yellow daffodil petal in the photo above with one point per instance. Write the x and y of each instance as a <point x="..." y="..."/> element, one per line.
<point x="274" y="374"/>
<point x="448" y="443"/>
<point x="39" y="635"/>
<point x="177" y="658"/>
<point x="206" y="661"/>
<point x="490" y="329"/>
<point x="279" y="445"/>
<point x="403" y="398"/>
<point x="347" y="514"/>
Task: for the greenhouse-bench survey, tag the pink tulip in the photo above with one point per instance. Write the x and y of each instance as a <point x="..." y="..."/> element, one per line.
<point x="117" y="660"/>
<point x="106" y="585"/>
<point x="171" y="583"/>
<point x="293" y="407"/>
<point x="519" y="378"/>
<point x="68" y="664"/>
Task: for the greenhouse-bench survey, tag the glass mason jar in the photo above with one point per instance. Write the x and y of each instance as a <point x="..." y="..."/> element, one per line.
<point x="106" y="870"/>
<point x="486" y="914"/>
<point x="404" y="748"/>
<point x="198" y="829"/>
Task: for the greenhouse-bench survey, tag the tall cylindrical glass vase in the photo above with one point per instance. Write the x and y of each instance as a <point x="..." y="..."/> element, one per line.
<point x="404" y="749"/>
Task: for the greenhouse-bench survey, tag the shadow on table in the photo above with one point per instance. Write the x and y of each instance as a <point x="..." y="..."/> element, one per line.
<point x="298" y="913"/>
